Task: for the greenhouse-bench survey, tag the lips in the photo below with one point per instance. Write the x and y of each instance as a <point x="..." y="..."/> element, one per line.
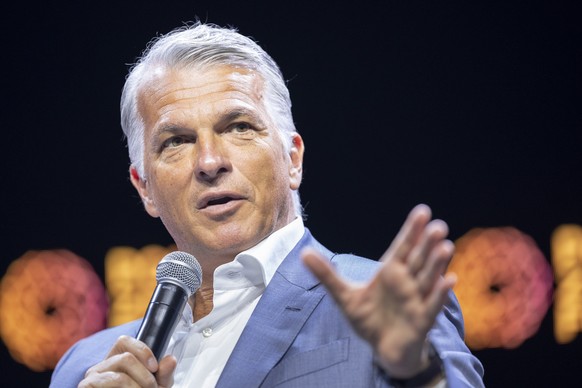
<point x="219" y="201"/>
<point x="215" y="199"/>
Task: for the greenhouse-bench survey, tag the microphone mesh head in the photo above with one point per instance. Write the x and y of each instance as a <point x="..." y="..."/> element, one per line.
<point x="180" y="268"/>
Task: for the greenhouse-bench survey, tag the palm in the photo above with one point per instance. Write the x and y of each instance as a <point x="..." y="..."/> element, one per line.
<point x="396" y="309"/>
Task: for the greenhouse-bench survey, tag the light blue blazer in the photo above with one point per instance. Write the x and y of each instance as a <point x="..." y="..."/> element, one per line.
<point x="297" y="337"/>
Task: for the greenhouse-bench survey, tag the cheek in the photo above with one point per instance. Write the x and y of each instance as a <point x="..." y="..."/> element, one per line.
<point x="274" y="178"/>
<point x="166" y="187"/>
<point x="278" y="185"/>
<point x="267" y="182"/>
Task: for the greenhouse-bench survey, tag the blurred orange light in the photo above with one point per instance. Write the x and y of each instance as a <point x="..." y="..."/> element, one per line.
<point x="48" y="300"/>
<point x="504" y="286"/>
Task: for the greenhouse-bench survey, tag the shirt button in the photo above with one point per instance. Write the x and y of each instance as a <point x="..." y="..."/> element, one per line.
<point x="207" y="332"/>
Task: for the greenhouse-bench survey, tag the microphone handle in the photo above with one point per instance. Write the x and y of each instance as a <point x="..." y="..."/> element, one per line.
<point x="162" y="316"/>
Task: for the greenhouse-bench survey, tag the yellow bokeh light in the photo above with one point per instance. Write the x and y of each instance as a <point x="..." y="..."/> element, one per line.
<point x="567" y="264"/>
<point x="130" y="277"/>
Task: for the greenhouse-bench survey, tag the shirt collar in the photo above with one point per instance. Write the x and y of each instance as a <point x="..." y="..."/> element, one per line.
<point x="259" y="263"/>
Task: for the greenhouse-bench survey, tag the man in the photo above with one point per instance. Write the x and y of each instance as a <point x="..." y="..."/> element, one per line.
<point x="216" y="157"/>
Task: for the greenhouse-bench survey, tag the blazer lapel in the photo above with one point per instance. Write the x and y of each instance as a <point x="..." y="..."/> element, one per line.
<point x="285" y="306"/>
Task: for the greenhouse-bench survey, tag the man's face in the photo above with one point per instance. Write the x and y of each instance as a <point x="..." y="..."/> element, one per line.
<point x="216" y="169"/>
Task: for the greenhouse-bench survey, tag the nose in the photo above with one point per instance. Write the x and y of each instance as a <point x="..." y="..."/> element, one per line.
<point x="211" y="159"/>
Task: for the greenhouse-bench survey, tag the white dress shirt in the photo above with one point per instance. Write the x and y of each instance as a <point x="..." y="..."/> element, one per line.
<point x="203" y="347"/>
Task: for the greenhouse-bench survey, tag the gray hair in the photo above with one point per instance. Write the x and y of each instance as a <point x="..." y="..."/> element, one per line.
<point x="203" y="45"/>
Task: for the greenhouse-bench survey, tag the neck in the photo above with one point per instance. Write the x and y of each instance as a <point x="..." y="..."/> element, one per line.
<point x="201" y="302"/>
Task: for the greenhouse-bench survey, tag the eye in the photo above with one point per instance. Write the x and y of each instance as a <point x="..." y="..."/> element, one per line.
<point x="242" y="127"/>
<point x="174" y="141"/>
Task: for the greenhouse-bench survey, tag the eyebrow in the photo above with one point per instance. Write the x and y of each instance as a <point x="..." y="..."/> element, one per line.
<point x="169" y="128"/>
<point x="231" y="115"/>
<point x="235" y="114"/>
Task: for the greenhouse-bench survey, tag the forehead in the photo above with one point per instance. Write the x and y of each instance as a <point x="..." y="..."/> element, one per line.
<point x="163" y="85"/>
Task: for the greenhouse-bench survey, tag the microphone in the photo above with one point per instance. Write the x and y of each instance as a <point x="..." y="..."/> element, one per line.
<point x="178" y="276"/>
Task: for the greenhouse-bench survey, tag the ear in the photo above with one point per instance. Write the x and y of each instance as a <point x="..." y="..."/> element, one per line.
<point x="141" y="185"/>
<point x="296" y="167"/>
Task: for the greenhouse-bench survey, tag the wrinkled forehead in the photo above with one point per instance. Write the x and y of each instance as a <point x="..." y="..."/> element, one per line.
<point x="196" y="75"/>
<point x="194" y="82"/>
<point x="231" y="88"/>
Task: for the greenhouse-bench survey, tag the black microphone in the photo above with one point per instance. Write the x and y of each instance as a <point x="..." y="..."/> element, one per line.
<point x="178" y="275"/>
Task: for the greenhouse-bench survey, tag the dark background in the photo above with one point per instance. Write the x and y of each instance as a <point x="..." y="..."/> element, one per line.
<point x="471" y="107"/>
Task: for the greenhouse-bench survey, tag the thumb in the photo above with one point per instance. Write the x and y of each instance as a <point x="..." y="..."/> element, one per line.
<point x="323" y="270"/>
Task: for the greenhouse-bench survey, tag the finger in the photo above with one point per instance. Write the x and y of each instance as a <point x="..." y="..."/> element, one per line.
<point x="107" y="379"/>
<point x="434" y="233"/>
<point x="438" y="297"/>
<point x="127" y="344"/>
<point x="435" y="266"/>
<point x="409" y="234"/>
<point x="322" y="269"/>
<point x="165" y="374"/>
<point x="129" y="359"/>
<point x="120" y="370"/>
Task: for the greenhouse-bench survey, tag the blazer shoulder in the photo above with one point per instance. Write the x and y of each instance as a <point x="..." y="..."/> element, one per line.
<point x="353" y="267"/>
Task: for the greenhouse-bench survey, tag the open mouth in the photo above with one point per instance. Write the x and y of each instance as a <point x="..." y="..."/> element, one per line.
<point x="219" y="201"/>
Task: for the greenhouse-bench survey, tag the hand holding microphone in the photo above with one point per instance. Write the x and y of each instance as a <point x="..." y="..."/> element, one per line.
<point x="130" y="361"/>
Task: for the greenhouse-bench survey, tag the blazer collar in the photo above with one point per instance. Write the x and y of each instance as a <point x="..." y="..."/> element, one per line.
<point x="285" y="306"/>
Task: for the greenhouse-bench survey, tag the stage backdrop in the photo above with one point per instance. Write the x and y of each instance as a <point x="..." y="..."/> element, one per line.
<point x="472" y="108"/>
